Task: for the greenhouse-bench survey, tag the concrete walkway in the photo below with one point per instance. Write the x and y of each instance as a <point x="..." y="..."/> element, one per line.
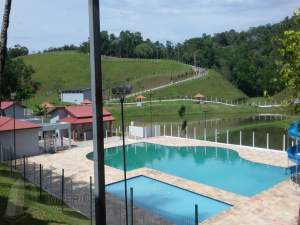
<point x="276" y="206"/>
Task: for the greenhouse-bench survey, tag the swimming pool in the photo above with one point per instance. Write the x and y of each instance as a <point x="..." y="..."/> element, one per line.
<point x="218" y="167"/>
<point x="172" y="203"/>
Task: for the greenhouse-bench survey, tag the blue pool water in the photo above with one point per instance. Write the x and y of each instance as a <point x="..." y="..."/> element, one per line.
<point x="172" y="203"/>
<point x="218" y="167"/>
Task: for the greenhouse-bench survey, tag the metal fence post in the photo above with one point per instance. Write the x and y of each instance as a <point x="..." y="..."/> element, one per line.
<point x="24" y="169"/>
<point x="268" y="140"/>
<point x="131" y="204"/>
<point x="91" y="199"/>
<point x="195" y="135"/>
<point x="164" y="129"/>
<point x="41" y="182"/>
<point x="227" y="136"/>
<point x="196" y="214"/>
<point x="171" y="130"/>
<point x="216" y="135"/>
<point x="253" y="139"/>
<point x="204" y="134"/>
<point x="240" y="137"/>
<point x="186" y="132"/>
<point x="62" y="188"/>
<point x="283" y="143"/>
<point x="178" y="131"/>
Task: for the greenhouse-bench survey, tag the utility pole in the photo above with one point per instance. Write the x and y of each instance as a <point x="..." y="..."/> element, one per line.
<point x="98" y="133"/>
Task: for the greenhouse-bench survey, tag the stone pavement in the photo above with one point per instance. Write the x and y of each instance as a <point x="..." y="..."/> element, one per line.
<point x="276" y="206"/>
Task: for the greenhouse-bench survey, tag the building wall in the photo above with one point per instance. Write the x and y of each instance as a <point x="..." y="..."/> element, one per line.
<point x="27" y="141"/>
<point x="57" y="115"/>
<point x="19" y="111"/>
<point x="87" y="94"/>
<point x="75" y="98"/>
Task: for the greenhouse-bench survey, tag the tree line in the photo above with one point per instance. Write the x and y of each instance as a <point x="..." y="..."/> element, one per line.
<point x="248" y="58"/>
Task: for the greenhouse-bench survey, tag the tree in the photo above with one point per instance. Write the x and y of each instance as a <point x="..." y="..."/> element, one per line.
<point x="181" y="113"/>
<point x="17" y="51"/>
<point x="3" y="42"/>
<point x="17" y="77"/>
<point x="144" y="50"/>
<point x="290" y="66"/>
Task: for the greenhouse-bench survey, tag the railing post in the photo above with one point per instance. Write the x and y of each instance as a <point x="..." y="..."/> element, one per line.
<point x="253" y="139"/>
<point x="204" y="134"/>
<point x="216" y="135"/>
<point x="131" y="204"/>
<point x="240" y="137"/>
<point x="171" y="130"/>
<point x="24" y="168"/>
<point x="195" y="133"/>
<point x="227" y="136"/>
<point x="106" y="135"/>
<point x="62" y="188"/>
<point x="164" y="129"/>
<point x="196" y="215"/>
<point x="91" y="199"/>
<point x="178" y="131"/>
<point x="186" y="132"/>
<point x="268" y="140"/>
<point x="41" y="182"/>
<point x="283" y="143"/>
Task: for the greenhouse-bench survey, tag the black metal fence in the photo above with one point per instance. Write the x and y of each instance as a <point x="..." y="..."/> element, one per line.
<point x="79" y="196"/>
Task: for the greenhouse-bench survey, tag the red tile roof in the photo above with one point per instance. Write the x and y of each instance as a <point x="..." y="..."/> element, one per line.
<point x="87" y="120"/>
<point x="83" y="111"/>
<point x="86" y="102"/>
<point x="7" y="104"/>
<point x="7" y="124"/>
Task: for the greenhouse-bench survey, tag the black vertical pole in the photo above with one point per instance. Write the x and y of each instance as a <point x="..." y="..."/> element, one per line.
<point x="131" y="204"/>
<point x="91" y="199"/>
<point x="98" y="134"/>
<point x="62" y="188"/>
<point x="11" y="160"/>
<point x="24" y="168"/>
<point x="15" y="150"/>
<point x="41" y="182"/>
<point x="124" y="158"/>
<point x="196" y="214"/>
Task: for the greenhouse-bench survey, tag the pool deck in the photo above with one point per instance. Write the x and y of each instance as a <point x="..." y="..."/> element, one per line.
<point x="278" y="205"/>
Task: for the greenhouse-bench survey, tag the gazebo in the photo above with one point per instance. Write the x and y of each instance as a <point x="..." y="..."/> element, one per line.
<point x="140" y="98"/>
<point x="200" y="97"/>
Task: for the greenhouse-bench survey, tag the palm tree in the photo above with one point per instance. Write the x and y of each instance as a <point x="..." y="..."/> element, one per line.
<point x="3" y="41"/>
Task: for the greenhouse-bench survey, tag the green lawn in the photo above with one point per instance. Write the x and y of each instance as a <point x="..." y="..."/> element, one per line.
<point x="45" y="212"/>
<point x="168" y="111"/>
<point x="70" y="70"/>
<point x="213" y="85"/>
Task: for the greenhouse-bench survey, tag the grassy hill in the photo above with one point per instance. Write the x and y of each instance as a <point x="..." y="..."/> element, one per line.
<point x="70" y="70"/>
<point x="212" y="85"/>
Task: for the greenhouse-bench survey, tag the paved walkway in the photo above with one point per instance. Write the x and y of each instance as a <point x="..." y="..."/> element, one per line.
<point x="276" y="206"/>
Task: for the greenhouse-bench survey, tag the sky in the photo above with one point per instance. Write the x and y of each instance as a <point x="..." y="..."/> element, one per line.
<point x="40" y="24"/>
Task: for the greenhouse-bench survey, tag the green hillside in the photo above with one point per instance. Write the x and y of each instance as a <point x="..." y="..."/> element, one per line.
<point x="70" y="70"/>
<point x="212" y="85"/>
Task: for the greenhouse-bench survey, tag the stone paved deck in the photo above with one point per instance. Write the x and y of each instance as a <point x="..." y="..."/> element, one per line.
<point x="276" y="206"/>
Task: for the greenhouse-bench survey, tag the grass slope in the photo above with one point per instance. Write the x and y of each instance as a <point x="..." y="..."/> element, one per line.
<point x="212" y="85"/>
<point x="168" y="111"/>
<point x="70" y="70"/>
<point x="36" y="212"/>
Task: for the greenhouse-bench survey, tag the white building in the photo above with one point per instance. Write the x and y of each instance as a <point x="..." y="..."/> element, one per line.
<point x="75" y="96"/>
<point x="26" y="136"/>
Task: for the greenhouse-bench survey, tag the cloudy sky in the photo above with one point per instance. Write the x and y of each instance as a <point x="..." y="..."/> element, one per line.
<point x="39" y="24"/>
